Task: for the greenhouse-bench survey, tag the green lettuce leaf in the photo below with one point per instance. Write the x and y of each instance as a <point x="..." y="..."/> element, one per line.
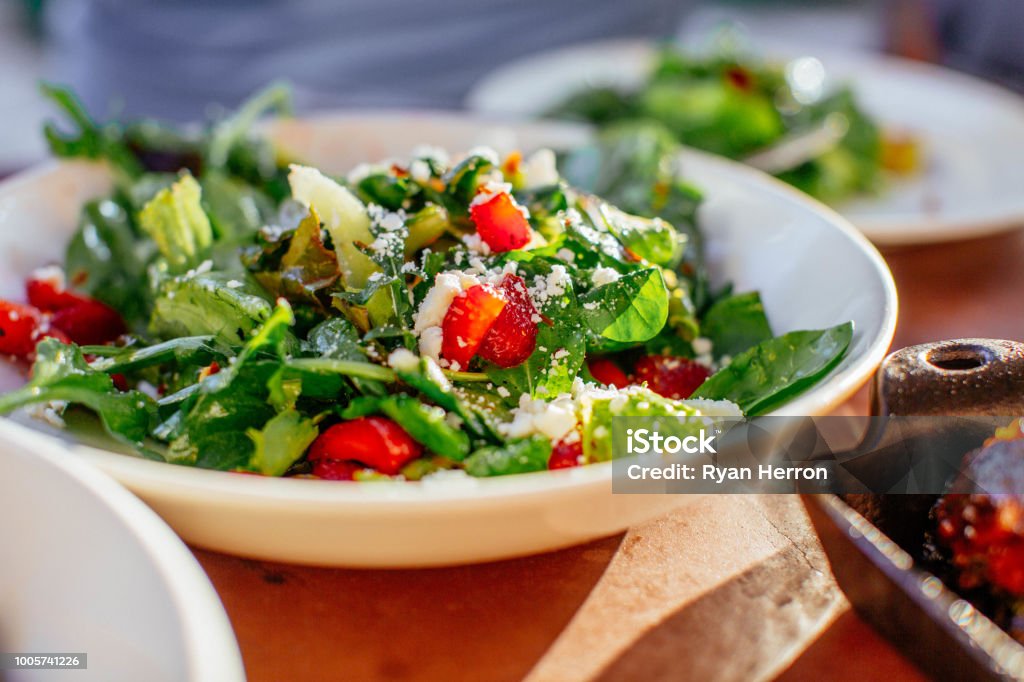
<point x="281" y="442"/>
<point x="175" y="220"/>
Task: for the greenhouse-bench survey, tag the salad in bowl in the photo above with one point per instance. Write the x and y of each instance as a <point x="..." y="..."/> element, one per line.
<point x="443" y="314"/>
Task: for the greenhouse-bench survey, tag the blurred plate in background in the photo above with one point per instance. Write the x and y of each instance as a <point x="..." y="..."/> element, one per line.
<point x="88" y="568"/>
<point x="971" y="132"/>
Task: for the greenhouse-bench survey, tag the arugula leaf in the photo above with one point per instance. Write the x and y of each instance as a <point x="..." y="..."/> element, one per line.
<point x="426" y="424"/>
<point x="774" y="371"/>
<point x="61" y="373"/>
<point x="736" y="323"/>
<point x="92" y="141"/>
<point x="428" y="379"/>
<point x="517" y="457"/>
<point x="632" y="309"/>
<point x="230" y="132"/>
<point x="175" y="220"/>
<point x="213" y="304"/>
<point x="274" y="336"/>
<point x="197" y="350"/>
<point x="281" y="442"/>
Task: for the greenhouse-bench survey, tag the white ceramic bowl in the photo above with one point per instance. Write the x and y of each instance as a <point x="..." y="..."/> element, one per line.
<point x="88" y="568"/>
<point x="813" y="269"/>
<point x="971" y="132"/>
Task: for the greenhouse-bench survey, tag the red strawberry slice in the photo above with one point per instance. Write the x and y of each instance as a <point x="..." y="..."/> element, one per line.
<point x="469" y="318"/>
<point x="84" y="320"/>
<point x="375" y="441"/>
<point x="336" y="470"/>
<point x="565" y="455"/>
<point x="46" y="290"/>
<point x="20" y="329"/>
<point x="89" y="322"/>
<point x="672" y="377"/>
<point x="500" y="223"/>
<point x="513" y="336"/>
<point x="607" y="372"/>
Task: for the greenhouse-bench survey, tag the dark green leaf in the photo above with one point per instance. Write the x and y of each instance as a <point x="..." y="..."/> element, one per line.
<point x="735" y="324"/>
<point x="517" y="457"/>
<point x="771" y="373"/>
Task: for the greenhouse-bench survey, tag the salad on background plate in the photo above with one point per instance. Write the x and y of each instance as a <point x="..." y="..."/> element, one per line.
<point x="778" y="117"/>
<point x="229" y="309"/>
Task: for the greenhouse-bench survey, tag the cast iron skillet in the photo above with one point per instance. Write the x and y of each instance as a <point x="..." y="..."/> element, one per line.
<point x="940" y="631"/>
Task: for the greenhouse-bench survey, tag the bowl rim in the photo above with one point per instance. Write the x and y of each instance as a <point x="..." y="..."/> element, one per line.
<point x="152" y="477"/>
<point x="207" y="635"/>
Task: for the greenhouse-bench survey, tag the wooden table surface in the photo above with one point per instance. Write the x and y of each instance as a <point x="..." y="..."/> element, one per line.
<point x="647" y="604"/>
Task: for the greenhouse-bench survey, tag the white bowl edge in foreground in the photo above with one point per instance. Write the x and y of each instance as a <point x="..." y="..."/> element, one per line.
<point x="89" y="568"/>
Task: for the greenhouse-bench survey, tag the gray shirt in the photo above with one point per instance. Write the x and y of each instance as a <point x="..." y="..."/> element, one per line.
<point x="170" y="58"/>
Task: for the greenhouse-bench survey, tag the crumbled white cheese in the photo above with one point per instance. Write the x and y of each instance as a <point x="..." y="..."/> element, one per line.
<point x="554" y="419"/>
<point x="701" y="345"/>
<point x="431" y="339"/>
<point x="419" y="170"/>
<point x="540" y="170"/>
<point x="447" y="285"/>
<point x="403" y="359"/>
<point x="566" y="255"/>
<point x="489" y="190"/>
<point x="604" y="276"/>
<point x="234" y="284"/>
<point x="503" y="392"/>
<point x="476" y="244"/>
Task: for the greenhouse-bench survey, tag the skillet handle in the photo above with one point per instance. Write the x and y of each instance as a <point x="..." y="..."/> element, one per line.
<point x="981" y="377"/>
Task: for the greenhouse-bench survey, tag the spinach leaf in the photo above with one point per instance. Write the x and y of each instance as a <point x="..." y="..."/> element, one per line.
<point x="517" y="457"/>
<point x="61" y="373"/>
<point x="106" y="259"/>
<point x="771" y="373"/>
<point x="426" y="424"/>
<point x="175" y="220"/>
<point x="631" y="309"/>
<point x="281" y="442"/>
<point x="736" y="323"/>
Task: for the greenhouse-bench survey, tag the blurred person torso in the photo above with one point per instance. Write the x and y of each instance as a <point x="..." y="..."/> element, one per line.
<point x="170" y="59"/>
